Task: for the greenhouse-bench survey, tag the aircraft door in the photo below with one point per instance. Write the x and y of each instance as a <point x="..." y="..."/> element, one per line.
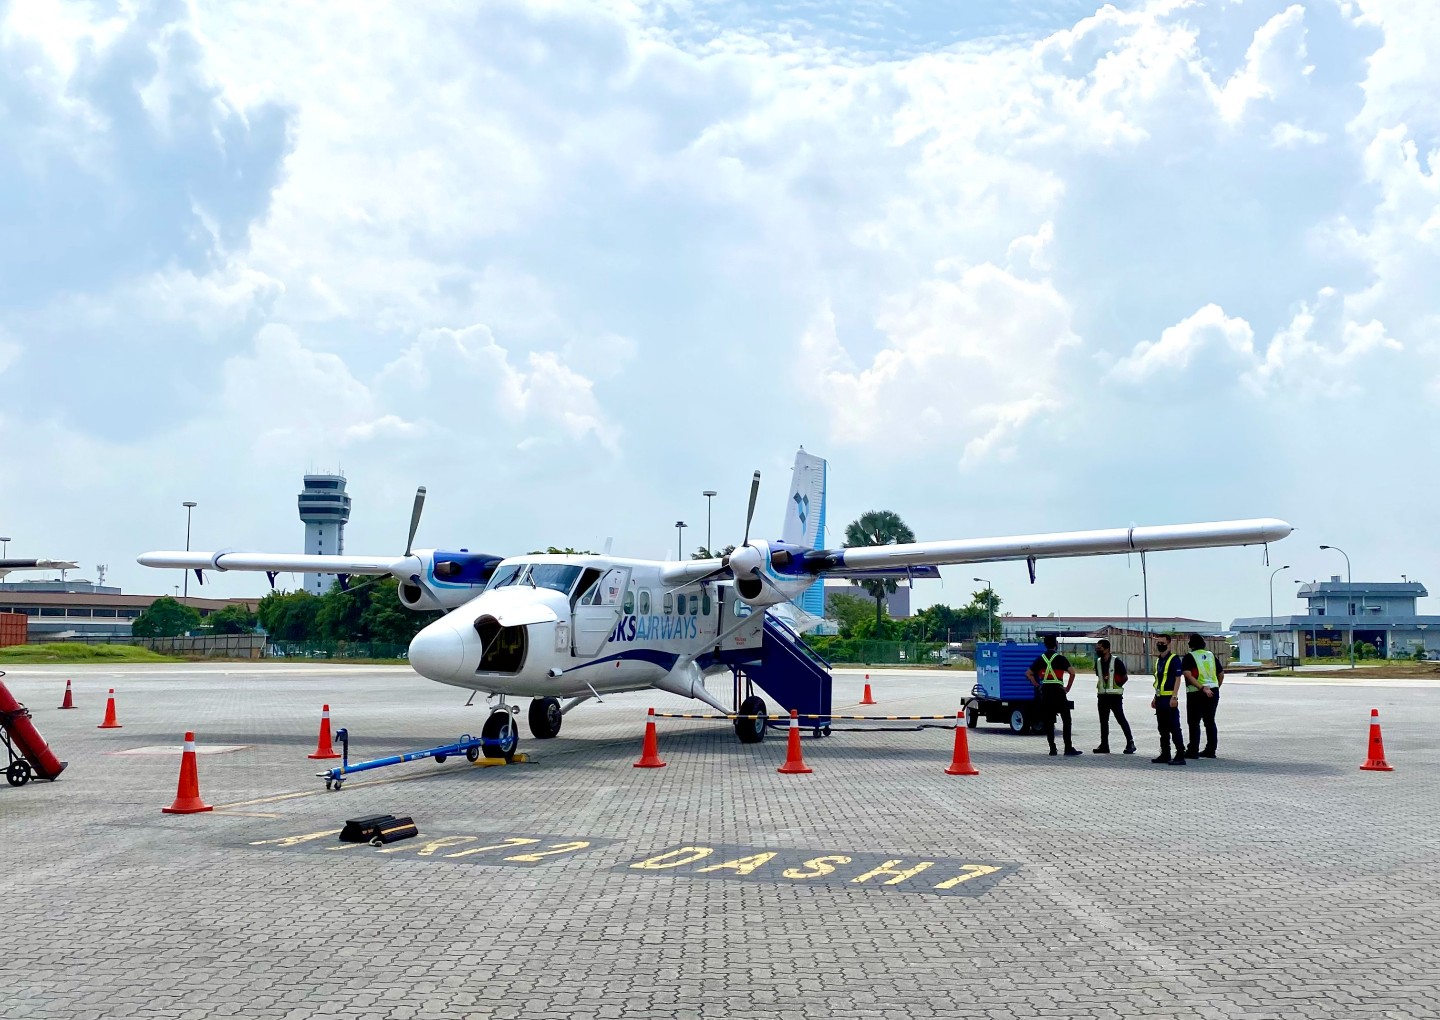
<point x="598" y="611"/>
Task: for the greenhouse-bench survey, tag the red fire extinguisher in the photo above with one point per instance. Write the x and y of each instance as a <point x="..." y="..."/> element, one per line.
<point x="15" y="720"/>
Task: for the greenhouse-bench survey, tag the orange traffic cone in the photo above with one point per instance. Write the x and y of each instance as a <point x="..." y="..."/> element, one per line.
<point x="650" y="750"/>
<point x="68" y="702"/>
<point x="1376" y="761"/>
<point x="323" y="749"/>
<point x="109" y="723"/>
<point x="187" y="794"/>
<point x="794" y="763"/>
<point x="867" y="700"/>
<point x="960" y="762"/>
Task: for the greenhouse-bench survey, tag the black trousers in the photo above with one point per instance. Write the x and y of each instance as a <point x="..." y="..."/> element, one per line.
<point x="1200" y="709"/>
<point x="1113" y="703"/>
<point x="1167" y="718"/>
<point x="1054" y="701"/>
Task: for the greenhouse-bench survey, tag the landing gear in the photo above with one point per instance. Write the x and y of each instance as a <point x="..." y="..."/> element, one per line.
<point x="500" y="734"/>
<point x="751" y="731"/>
<point x="545" y="718"/>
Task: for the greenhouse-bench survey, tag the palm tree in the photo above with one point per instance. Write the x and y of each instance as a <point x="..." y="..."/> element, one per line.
<point x="878" y="527"/>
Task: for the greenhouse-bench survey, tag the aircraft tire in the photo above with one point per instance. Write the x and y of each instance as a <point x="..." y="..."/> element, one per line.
<point x="751" y="731"/>
<point x="499" y="728"/>
<point x="545" y="718"/>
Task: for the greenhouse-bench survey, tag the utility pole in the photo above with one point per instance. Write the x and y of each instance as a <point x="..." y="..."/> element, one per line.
<point x="989" y="609"/>
<point x="709" y="495"/>
<point x="1145" y="603"/>
<point x="1272" y="606"/>
<point x="1349" y="594"/>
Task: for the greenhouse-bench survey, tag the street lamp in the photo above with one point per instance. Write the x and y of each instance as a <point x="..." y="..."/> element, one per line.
<point x="709" y="495"/>
<point x="1127" y="610"/>
<point x="189" y="505"/>
<point x="680" y="527"/>
<point x="989" y="609"/>
<point x="1349" y="594"/>
<point x="6" y="553"/>
<point x="1272" y="606"/>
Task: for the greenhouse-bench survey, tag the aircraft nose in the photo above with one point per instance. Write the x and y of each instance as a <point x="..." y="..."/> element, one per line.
<point x="438" y="651"/>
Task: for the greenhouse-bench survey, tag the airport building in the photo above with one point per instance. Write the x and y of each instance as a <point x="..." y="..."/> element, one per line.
<point x="1381" y="614"/>
<point x="1033" y="628"/>
<point x="325" y="509"/>
<point x="82" y="611"/>
<point x="897" y="602"/>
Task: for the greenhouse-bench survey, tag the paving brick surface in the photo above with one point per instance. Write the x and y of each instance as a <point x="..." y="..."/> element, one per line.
<point x="1277" y="881"/>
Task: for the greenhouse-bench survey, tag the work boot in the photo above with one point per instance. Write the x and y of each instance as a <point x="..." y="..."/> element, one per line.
<point x="1207" y="754"/>
<point x="1053" y="752"/>
<point x="1071" y="752"/>
<point x="1164" y="759"/>
<point x="1178" y="760"/>
<point x="1192" y="752"/>
<point x="1130" y="747"/>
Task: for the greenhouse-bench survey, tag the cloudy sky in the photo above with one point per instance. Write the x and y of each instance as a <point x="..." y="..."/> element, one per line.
<point x="1011" y="266"/>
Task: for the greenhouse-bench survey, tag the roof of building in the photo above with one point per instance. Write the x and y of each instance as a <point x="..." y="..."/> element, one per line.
<point x="1336" y="623"/>
<point x="1335" y="586"/>
<point x="55" y="598"/>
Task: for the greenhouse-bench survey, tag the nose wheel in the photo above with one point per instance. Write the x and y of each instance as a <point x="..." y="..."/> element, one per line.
<point x="501" y="736"/>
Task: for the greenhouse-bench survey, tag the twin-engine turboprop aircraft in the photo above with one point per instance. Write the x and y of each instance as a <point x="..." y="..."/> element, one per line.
<point x="564" y="629"/>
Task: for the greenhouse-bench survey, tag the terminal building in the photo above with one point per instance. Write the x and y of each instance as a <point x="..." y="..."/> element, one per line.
<point x="1380" y="614"/>
<point x="325" y="509"/>
<point x="83" y="611"/>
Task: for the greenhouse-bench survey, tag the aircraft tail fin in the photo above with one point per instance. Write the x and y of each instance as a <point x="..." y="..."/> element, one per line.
<point x="805" y="519"/>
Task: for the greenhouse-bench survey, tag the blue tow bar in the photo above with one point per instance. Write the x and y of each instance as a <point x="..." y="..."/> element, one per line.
<point x="467" y="745"/>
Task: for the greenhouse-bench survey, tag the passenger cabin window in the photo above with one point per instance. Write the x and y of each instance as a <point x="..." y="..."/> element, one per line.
<point x="669" y="603"/>
<point x="630" y="602"/>
<point x="694" y="605"/>
<point x="590" y="587"/>
<point x="644" y="601"/>
<point x="705" y="603"/>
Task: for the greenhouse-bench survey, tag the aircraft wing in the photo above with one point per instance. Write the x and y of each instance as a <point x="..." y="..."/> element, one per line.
<point x="1062" y="544"/>
<point x="278" y="562"/>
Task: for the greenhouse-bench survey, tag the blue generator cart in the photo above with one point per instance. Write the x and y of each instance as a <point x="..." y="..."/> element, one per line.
<point x="1002" y="694"/>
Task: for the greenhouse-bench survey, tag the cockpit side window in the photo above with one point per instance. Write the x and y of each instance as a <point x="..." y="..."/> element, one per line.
<point x="508" y="574"/>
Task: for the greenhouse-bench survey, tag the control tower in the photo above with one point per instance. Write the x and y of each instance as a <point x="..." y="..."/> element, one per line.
<point x="324" y="508"/>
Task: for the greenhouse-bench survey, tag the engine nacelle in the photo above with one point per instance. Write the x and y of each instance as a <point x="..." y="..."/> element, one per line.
<point x="781" y="565"/>
<point x="445" y="580"/>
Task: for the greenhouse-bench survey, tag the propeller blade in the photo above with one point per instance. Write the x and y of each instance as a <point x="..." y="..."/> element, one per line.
<point x="750" y="513"/>
<point x="415" y="518"/>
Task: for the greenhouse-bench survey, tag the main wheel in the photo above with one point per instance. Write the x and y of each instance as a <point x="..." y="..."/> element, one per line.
<point x="1018" y="722"/>
<point x="500" y="729"/>
<point x="18" y="774"/>
<point x="545" y="718"/>
<point x="751" y="731"/>
<point x="972" y="717"/>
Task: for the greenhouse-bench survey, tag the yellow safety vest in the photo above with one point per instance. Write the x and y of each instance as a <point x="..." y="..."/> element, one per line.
<point x="1205" y="668"/>
<point x="1050" y="677"/>
<point x="1105" y="680"/>
<point x="1162" y="677"/>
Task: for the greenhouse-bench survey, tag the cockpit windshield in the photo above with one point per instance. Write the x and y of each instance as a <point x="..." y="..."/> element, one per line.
<point x="559" y="577"/>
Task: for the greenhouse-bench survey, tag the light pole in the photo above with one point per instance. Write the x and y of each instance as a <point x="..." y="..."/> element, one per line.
<point x="1127" y="613"/>
<point x="989" y="609"/>
<point x="6" y="553"/>
<point x="1145" y="604"/>
<point x="680" y="527"/>
<point x="709" y="495"/>
<point x="189" y="505"/>
<point x="1272" y="606"/>
<point x="1349" y="594"/>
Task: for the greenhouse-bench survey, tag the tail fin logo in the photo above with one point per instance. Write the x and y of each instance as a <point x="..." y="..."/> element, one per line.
<point x="802" y="507"/>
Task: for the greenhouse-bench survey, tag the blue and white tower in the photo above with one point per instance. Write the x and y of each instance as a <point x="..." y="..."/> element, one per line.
<point x="324" y="508"/>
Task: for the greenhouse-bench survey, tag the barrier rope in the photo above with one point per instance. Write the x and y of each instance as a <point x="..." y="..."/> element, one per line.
<point x="806" y="715"/>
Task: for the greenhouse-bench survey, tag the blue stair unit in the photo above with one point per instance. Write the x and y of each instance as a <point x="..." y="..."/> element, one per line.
<point x="791" y="672"/>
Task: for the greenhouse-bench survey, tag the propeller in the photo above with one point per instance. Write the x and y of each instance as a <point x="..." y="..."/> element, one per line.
<point x="750" y="513"/>
<point x="415" y="518"/>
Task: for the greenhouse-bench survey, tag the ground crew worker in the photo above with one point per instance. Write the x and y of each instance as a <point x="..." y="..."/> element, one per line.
<point x="1203" y="676"/>
<point x="1169" y="669"/>
<point x="1110" y="677"/>
<point x="1051" y="675"/>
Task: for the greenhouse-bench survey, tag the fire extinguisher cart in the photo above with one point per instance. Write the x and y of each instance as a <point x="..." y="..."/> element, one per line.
<point x="26" y="752"/>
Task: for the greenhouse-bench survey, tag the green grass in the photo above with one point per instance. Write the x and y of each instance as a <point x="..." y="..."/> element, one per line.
<point x="76" y="652"/>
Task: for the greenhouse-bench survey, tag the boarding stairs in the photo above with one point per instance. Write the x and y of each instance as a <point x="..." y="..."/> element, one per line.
<point x="792" y="673"/>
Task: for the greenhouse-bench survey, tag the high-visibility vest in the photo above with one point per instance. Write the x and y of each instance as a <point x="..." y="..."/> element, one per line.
<point x="1050" y="676"/>
<point x="1164" y="682"/>
<point x="1105" y="679"/>
<point x="1205" y="668"/>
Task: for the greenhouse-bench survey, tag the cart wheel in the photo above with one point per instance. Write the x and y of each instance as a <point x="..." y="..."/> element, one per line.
<point x="337" y="785"/>
<point x="329" y="785"/>
<point x="440" y="759"/>
<point x="18" y="774"/>
<point x="473" y="754"/>
<point x="826" y="730"/>
<point x="1018" y="722"/>
<point x="972" y="717"/>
